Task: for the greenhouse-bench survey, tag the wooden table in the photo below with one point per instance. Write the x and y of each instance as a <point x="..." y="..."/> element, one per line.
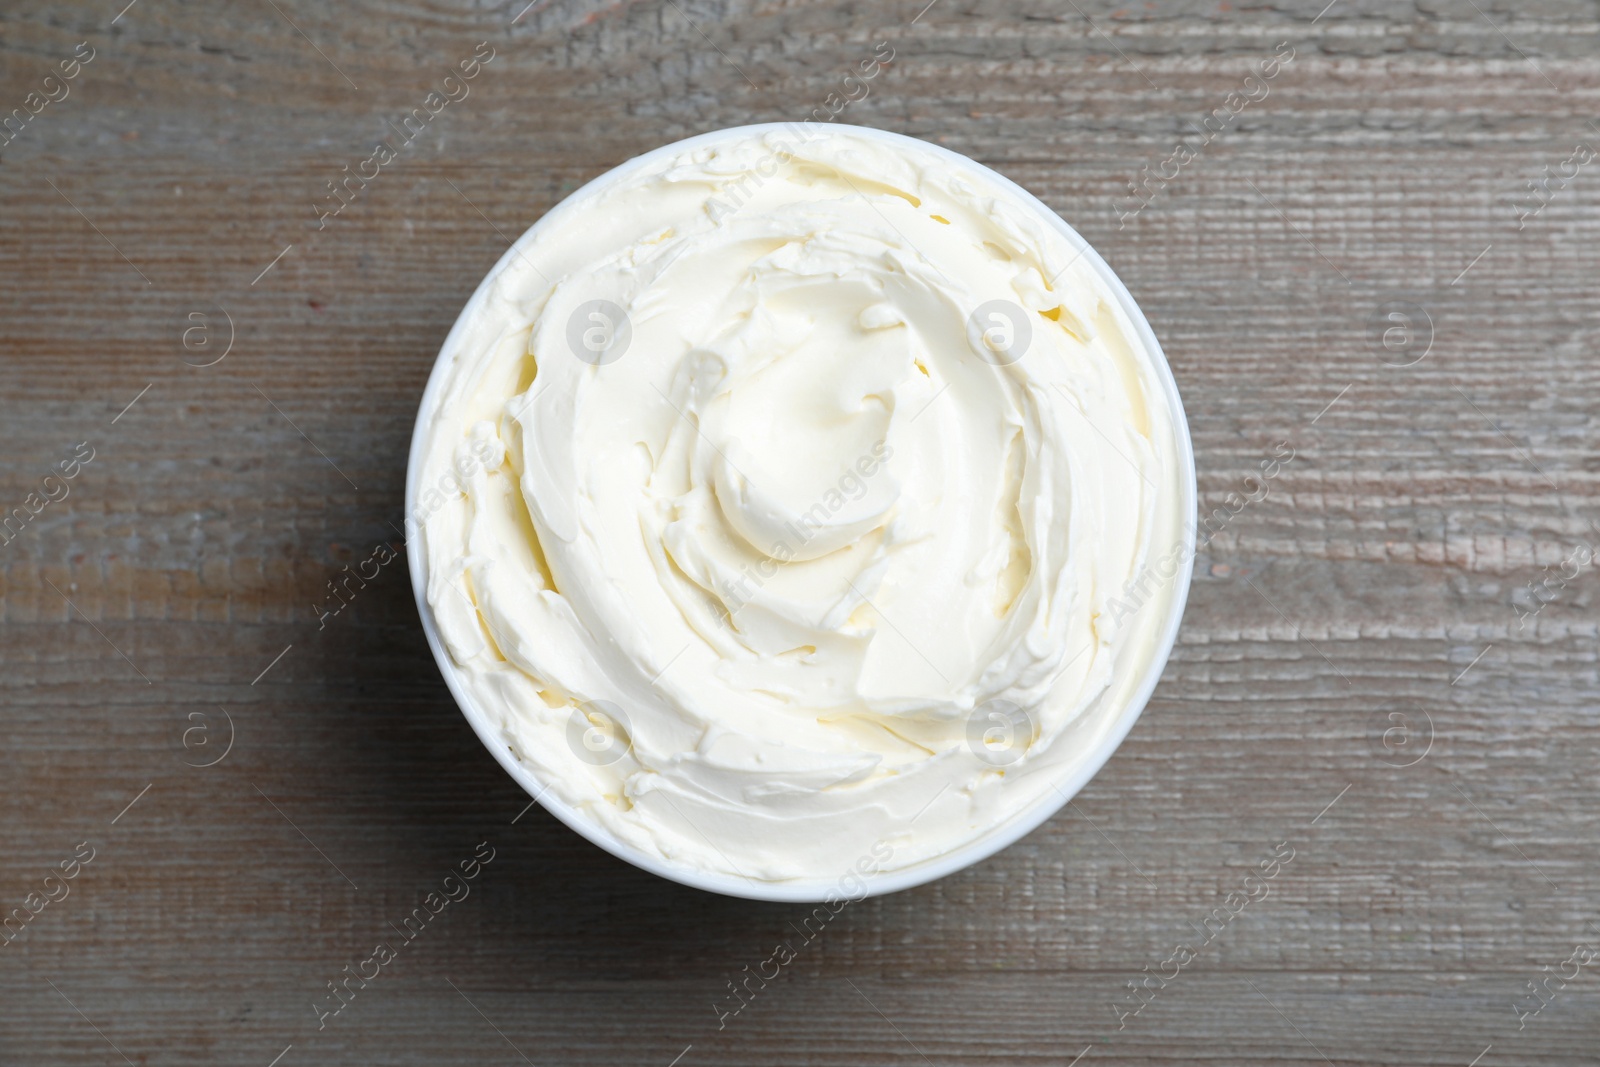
<point x="1361" y="673"/>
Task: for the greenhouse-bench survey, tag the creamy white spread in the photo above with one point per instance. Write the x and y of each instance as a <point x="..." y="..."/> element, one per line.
<point x="817" y="467"/>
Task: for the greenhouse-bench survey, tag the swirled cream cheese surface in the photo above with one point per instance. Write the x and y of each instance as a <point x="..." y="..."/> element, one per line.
<point x="800" y="492"/>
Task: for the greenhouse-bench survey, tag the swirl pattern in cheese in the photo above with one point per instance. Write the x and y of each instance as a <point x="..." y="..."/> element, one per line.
<point x="819" y="466"/>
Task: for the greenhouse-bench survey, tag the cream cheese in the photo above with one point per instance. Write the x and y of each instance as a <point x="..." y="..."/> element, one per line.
<point x="817" y="466"/>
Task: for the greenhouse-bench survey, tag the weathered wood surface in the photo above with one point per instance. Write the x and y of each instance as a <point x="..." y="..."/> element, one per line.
<point x="1379" y="576"/>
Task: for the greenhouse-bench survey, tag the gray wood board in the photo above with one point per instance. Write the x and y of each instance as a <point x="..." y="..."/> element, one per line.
<point x="1379" y="576"/>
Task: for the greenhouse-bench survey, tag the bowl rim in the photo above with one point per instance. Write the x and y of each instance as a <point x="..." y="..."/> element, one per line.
<point x="815" y="889"/>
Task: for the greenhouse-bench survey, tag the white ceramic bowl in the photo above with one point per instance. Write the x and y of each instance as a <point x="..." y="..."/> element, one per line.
<point x="815" y="889"/>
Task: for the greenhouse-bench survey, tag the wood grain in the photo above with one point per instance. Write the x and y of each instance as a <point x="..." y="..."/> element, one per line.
<point x="1378" y="577"/>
